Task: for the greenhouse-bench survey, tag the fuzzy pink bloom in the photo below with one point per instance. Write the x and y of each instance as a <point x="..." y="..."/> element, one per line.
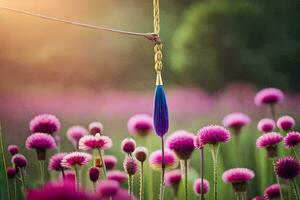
<point x="130" y="165"/>
<point x="40" y="141"/>
<point x="11" y="172"/>
<point x="155" y="160"/>
<point x="213" y="134"/>
<point x="108" y="188"/>
<point x="13" y="149"/>
<point x="110" y="161"/>
<point x="117" y="176"/>
<point x="272" y="192"/>
<point x="237" y="175"/>
<point x="285" y="123"/>
<point x="141" y="154"/>
<point x="268" y="96"/>
<point x="140" y="124"/>
<point x="76" y="158"/>
<point x="173" y="178"/>
<point x="90" y="142"/>
<point x="128" y="145"/>
<point x="292" y="139"/>
<point x="268" y="139"/>
<point x="44" y="123"/>
<point x="197" y="142"/>
<point x="266" y="125"/>
<point x="287" y="167"/>
<point x="96" y="127"/>
<point x="55" y="162"/>
<point x="236" y="121"/>
<point x="198" y="186"/>
<point x="94" y="173"/>
<point x="19" y="160"/>
<point x="74" y="133"/>
<point x="182" y="143"/>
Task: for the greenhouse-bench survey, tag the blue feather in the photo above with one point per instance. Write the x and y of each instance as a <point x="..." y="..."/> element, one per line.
<point x="160" y="115"/>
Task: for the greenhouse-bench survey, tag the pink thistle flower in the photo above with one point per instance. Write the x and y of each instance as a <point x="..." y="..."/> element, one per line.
<point x="55" y="162"/>
<point x="11" y="172"/>
<point x="96" y="127"/>
<point x="272" y="192"/>
<point x="44" y="123"/>
<point x="258" y="198"/>
<point x="76" y="158"/>
<point x="287" y="167"/>
<point x="198" y="186"/>
<point x="130" y="165"/>
<point x="155" y="160"/>
<point x="90" y="142"/>
<point x="266" y="125"/>
<point x="19" y="160"/>
<point x="141" y="154"/>
<point x="238" y="177"/>
<point x="140" y="124"/>
<point x="108" y="188"/>
<point x="270" y="142"/>
<point x="110" y="162"/>
<point x="197" y="143"/>
<point x="74" y="133"/>
<point x="94" y="173"/>
<point x="117" y="176"/>
<point x="173" y="178"/>
<point x="292" y="139"/>
<point x="182" y="143"/>
<point x="13" y="149"/>
<point x="128" y="145"/>
<point x="285" y="123"/>
<point x="236" y="121"/>
<point x="213" y="134"/>
<point x="269" y="96"/>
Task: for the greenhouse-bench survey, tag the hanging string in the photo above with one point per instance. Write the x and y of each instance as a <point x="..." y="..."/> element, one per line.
<point x="150" y="36"/>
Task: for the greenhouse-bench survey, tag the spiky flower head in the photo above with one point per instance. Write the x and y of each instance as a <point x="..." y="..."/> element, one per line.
<point x="108" y="188"/>
<point x="94" y="173"/>
<point x="117" y="175"/>
<point x="198" y="186"/>
<point x="287" y="167"/>
<point x="197" y="142"/>
<point x="110" y="161"/>
<point x="55" y="162"/>
<point x="269" y="96"/>
<point x="44" y="123"/>
<point x="140" y="124"/>
<point x="173" y="178"/>
<point x="213" y="134"/>
<point x="272" y="192"/>
<point x="128" y="145"/>
<point x="286" y="123"/>
<point x="11" y="172"/>
<point x="96" y="127"/>
<point x="170" y="160"/>
<point x="13" y="149"/>
<point x="19" y="160"/>
<point x="182" y="143"/>
<point x="269" y="141"/>
<point x="266" y="125"/>
<point x="141" y="153"/>
<point x="130" y="165"/>
<point x="236" y="121"/>
<point x="76" y="159"/>
<point x="238" y="177"/>
<point x="90" y="142"/>
<point x="74" y="133"/>
<point x="292" y="139"/>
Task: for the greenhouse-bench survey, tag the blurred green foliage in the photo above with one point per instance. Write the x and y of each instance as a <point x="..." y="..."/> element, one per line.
<point x="255" y="41"/>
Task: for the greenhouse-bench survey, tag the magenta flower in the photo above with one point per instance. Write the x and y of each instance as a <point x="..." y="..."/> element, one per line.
<point x="236" y="121"/>
<point x="130" y="166"/>
<point x="257" y="198"/>
<point x="173" y="178"/>
<point x="270" y="142"/>
<point x="74" y="133"/>
<point x="110" y="162"/>
<point x="44" y="123"/>
<point x="285" y="123"/>
<point x="198" y="186"/>
<point x="140" y="124"/>
<point x="96" y="127"/>
<point x="117" y="176"/>
<point x="13" y="149"/>
<point x="213" y="134"/>
<point x="272" y="192"/>
<point x="155" y="160"/>
<point x="128" y="145"/>
<point x="287" y="167"/>
<point x="269" y="96"/>
<point x="11" y="172"/>
<point x="55" y="162"/>
<point x="237" y="175"/>
<point x="197" y="143"/>
<point x="108" y="188"/>
<point x="141" y="154"/>
<point x="182" y="143"/>
<point x="266" y="125"/>
<point x="76" y="158"/>
<point x="90" y="142"/>
<point x="292" y="139"/>
<point x="19" y="160"/>
<point x="94" y="173"/>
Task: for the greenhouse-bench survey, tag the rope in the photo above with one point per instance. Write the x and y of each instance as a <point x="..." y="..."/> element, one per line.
<point x="158" y="45"/>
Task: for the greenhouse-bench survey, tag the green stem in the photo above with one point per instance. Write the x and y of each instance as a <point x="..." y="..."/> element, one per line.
<point x="237" y="195"/>
<point x="296" y="189"/>
<point x="42" y="174"/>
<point x="142" y="181"/>
<point x="149" y="172"/>
<point x="4" y="161"/>
<point x="202" y="173"/>
<point x="130" y="186"/>
<point x="76" y="177"/>
<point x="296" y="153"/>
<point x="278" y="181"/>
<point x="102" y="162"/>
<point x="215" y="149"/>
<point x="272" y="109"/>
<point x="186" y="178"/>
<point x="15" y="188"/>
<point x="24" y="187"/>
<point x="237" y="148"/>
<point x="162" y="181"/>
